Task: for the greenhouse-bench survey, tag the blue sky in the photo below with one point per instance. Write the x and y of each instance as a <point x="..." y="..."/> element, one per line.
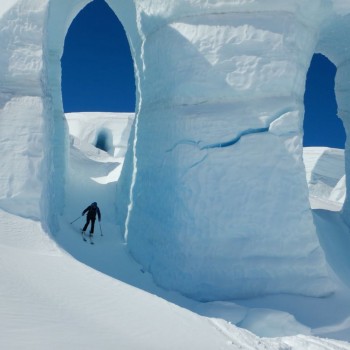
<point x="322" y="127"/>
<point x="97" y="75"/>
<point x="97" y="69"/>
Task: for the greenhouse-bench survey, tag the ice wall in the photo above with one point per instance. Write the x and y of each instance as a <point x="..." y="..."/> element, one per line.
<point x="213" y="195"/>
<point x="219" y="203"/>
<point x="21" y="106"/>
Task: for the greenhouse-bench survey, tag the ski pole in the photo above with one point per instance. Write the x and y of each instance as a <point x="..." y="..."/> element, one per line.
<point x="100" y="228"/>
<point x="75" y="220"/>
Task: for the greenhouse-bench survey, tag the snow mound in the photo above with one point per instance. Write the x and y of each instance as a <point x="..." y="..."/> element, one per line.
<point x="325" y="174"/>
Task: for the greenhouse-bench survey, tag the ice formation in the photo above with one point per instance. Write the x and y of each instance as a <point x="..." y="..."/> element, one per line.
<point x="213" y="196"/>
<point x="325" y="175"/>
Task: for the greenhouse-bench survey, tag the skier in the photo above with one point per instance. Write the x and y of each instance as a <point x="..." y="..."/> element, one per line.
<point x="91" y="210"/>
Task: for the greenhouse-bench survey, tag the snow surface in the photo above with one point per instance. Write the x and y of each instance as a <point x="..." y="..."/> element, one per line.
<point x="59" y="292"/>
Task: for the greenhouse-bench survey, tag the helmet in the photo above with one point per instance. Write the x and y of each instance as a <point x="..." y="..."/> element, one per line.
<point x="94" y="204"/>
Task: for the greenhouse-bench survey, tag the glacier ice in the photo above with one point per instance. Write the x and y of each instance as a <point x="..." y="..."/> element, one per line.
<point x="116" y="126"/>
<point x="212" y="195"/>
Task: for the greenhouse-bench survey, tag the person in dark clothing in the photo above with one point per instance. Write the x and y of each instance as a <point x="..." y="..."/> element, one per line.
<point x="91" y="211"/>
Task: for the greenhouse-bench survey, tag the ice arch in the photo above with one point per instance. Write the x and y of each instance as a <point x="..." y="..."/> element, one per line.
<point x="32" y="40"/>
<point x="213" y="195"/>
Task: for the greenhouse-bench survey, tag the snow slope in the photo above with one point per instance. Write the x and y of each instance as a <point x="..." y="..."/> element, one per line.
<point x="58" y="292"/>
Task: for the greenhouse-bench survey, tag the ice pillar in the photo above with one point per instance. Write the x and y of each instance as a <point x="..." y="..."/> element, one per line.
<point x="32" y="125"/>
<point x="21" y="107"/>
<point x="219" y="202"/>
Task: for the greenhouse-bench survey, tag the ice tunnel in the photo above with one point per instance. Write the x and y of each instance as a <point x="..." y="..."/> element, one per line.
<point x="104" y="141"/>
<point x="213" y="197"/>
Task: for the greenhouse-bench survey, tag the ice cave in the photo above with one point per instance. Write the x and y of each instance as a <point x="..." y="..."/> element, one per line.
<point x="213" y="173"/>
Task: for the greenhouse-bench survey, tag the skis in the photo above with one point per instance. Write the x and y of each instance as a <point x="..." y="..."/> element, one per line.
<point x="84" y="239"/>
<point x="83" y="232"/>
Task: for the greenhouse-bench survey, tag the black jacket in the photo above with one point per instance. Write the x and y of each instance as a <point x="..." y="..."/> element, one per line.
<point x="92" y="211"/>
